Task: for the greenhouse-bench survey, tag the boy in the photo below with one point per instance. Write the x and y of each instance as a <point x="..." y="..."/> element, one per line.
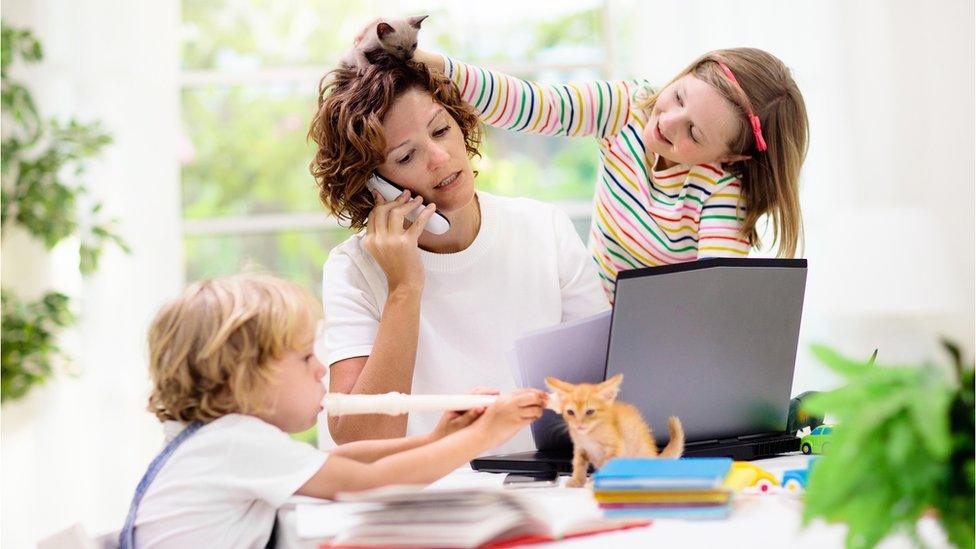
<point x="233" y="372"/>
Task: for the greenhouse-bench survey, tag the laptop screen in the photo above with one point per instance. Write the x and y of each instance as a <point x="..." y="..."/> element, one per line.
<point x="712" y="342"/>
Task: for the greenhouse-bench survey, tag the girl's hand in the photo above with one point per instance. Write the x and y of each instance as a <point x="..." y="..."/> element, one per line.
<point x="393" y="246"/>
<point x="512" y="412"/>
<point x="455" y="421"/>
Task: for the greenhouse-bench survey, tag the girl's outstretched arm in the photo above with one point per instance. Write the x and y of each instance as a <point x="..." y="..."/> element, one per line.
<point x="596" y="109"/>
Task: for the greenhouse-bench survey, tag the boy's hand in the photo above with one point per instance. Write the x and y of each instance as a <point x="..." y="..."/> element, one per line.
<point x="512" y="412"/>
<point x="455" y="421"/>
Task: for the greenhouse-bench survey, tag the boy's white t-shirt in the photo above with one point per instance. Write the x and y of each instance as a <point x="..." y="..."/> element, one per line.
<point x="223" y="485"/>
<point x="526" y="269"/>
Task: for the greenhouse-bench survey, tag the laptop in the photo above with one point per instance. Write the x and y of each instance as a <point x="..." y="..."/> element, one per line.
<point x="712" y="341"/>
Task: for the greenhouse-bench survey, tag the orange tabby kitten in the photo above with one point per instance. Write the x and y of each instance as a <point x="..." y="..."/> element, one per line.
<point x="602" y="428"/>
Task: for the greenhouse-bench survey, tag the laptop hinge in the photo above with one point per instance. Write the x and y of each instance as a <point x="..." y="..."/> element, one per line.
<point x="761" y="435"/>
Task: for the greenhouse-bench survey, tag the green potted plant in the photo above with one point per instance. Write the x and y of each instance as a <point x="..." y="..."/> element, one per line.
<point x="41" y="164"/>
<point x="902" y="448"/>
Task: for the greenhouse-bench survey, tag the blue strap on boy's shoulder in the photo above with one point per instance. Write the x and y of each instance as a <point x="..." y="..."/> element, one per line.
<point x="127" y="536"/>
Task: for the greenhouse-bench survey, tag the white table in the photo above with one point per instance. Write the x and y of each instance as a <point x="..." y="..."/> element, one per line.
<point x="760" y="520"/>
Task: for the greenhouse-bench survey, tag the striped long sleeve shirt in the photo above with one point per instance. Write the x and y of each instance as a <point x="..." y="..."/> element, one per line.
<point x="641" y="217"/>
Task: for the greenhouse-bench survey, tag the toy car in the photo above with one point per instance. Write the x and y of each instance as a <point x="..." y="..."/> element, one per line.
<point x="817" y="441"/>
<point x="795" y="480"/>
<point x="750" y="477"/>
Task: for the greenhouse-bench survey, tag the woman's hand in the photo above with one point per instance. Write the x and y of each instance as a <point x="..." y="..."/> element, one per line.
<point x="393" y="246"/>
<point x="455" y="421"/>
<point x="510" y="413"/>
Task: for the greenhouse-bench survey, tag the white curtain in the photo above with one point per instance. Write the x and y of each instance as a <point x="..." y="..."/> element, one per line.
<point x="888" y="185"/>
<point x="73" y="451"/>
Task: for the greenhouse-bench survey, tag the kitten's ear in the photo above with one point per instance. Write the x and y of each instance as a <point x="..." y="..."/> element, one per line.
<point x="558" y="385"/>
<point x="610" y="388"/>
<point x="416" y="21"/>
<point x="384" y="29"/>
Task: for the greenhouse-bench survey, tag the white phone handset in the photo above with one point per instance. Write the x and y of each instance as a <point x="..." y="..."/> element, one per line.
<point x="437" y="224"/>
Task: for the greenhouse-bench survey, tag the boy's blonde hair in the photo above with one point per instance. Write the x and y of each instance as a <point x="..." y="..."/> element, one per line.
<point x="211" y="349"/>
<point x="771" y="178"/>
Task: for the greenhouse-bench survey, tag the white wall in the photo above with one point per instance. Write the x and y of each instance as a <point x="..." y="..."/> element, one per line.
<point x="888" y="185"/>
<point x="73" y="451"/>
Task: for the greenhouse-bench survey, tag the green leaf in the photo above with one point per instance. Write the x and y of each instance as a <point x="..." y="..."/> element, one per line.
<point x="41" y="162"/>
<point x="29" y="348"/>
<point x="904" y="445"/>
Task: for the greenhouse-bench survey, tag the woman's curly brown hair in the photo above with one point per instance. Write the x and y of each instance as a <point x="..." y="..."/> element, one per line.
<point x="348" y="128"/>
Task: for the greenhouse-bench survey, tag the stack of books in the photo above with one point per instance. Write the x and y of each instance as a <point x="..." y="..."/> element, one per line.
<point x="690" y="488"/>
<point x="405" y="516"/>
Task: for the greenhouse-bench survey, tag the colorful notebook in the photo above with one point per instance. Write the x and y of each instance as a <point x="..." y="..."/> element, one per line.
<point x="650" y="473"/>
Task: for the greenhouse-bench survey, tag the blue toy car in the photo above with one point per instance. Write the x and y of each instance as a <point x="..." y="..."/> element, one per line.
<point x="795" y="480"/>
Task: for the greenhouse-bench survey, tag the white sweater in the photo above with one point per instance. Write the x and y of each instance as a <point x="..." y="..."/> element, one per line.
<point x="526" y="269"/>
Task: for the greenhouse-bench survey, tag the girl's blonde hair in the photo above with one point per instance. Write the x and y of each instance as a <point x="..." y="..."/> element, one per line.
<point x="212" y="348"/>
<point x="770" y="179"/>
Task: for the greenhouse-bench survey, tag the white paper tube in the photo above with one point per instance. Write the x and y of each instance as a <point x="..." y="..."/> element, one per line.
<point x="394" y="404"/>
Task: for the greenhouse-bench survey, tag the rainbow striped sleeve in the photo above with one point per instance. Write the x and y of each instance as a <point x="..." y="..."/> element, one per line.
<point x="597" y="109"/>
<point x="721" y="220"/>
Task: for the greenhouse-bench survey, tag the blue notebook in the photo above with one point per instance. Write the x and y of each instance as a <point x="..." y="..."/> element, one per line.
<point x="669" y="474"/>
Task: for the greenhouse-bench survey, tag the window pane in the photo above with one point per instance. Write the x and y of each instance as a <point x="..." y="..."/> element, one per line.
<point x="246" y="151"/>
<point x="236" y="35"/>
<point x="541" y="33"/>
<point x="545" y="168"/>
<point x="239" y="35"/>
<point x="295" y="255"/>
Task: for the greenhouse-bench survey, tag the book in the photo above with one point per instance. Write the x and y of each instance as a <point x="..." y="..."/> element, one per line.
<point x="407" y="516"/>
<point x="689" y="488"/>
<point x="646" y="473"/>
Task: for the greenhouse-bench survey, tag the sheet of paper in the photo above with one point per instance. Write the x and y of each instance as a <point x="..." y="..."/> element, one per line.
<point x="326" y="520"/>
<point x="573" y="351"/>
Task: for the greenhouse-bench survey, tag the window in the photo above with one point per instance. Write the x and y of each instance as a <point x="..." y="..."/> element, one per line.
<point x="250" y="71"/>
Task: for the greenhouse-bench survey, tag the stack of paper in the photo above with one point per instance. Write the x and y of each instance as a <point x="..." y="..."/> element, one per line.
<point x="485" y="517"/>
<point x="664" y="488"/>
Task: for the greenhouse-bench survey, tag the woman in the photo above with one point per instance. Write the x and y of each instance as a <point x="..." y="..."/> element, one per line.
<point x="505" y="266"/>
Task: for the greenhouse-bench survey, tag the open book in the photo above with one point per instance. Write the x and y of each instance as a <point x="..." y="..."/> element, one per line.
<point x="406" y="516"/>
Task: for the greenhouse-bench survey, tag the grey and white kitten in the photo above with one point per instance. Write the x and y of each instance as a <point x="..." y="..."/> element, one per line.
<point x="397" y="37"/>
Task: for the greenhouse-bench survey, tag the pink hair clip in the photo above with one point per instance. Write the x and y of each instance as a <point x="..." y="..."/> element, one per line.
<point x="753" y="119"/>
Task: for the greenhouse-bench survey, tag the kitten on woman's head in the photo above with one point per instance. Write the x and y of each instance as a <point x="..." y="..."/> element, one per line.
<point x="603" y="428"/>
<point x="395" y="37"/>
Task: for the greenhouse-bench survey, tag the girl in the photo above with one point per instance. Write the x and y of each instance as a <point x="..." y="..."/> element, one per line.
<point x="233" y="372"/>
<point x="685" y="171"/>
<point x="506" y="265"/>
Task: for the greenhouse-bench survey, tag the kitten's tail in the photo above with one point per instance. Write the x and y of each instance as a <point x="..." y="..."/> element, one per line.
<point x="676" y="444"/>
